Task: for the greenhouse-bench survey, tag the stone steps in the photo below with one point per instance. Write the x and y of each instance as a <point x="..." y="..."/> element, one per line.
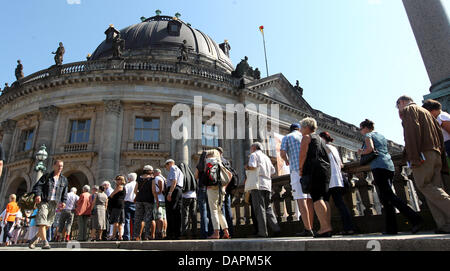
<point x="366" y="242"/>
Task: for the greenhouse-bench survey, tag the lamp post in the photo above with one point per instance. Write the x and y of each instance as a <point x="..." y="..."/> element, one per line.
<point x="41" y="156"/>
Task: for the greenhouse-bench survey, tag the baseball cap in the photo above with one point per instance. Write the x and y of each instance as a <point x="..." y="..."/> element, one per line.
<point x="148" y="167"/>
<point x="294" y="126"/>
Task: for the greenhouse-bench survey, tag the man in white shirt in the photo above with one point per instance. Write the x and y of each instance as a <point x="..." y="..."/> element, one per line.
<point x="130" y="206"/>
<point x="261" y="197"/>
<point x="67" y="214"/>
<point x="175" y="181"/>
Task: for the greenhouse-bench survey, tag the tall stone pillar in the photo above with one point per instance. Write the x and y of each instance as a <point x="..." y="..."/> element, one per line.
<point x="184" y="147"/>
<point x="47" y="127"/>
<point x="8" y="127"/>
<point x="110" y="137"/>
<point x="431" y="27"/>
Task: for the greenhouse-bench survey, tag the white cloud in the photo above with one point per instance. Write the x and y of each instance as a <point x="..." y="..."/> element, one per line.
<point x="73" y="2"/>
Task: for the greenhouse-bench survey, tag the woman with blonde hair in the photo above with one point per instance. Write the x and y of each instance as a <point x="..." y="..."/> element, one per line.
<point x="315" y="166"/>
<point x="216" y="196"/>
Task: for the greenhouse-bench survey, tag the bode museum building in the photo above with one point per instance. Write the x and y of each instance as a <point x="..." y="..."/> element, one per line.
<point x="112" y="114"/>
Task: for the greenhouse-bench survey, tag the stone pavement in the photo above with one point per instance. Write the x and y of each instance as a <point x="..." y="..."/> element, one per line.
<point x="364" y="242"/>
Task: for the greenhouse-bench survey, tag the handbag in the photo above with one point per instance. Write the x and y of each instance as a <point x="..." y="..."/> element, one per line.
<point x="252" y="182"/>
<point x="306" y="182"/>
<point x="367" y="158"/>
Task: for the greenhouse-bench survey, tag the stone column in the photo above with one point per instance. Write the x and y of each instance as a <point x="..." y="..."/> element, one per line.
<point x="184" y="147"/>
<point x="431" y="28"/>
<point x="47" y="127"/>
<point x="110" y="137"/>
<point x="8" y="127"/>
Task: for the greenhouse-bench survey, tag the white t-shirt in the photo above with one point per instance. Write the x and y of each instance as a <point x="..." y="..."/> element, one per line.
<point x="444" y="116"/>
<point x="129" y="188"/>
<point x="190" y="195"/>
<point x="71" y="201"/>
<point x="161" y="197"/>
<point x="55" y="185"/>
<point x="266" y="169"/>
<point x="335" y="163"/>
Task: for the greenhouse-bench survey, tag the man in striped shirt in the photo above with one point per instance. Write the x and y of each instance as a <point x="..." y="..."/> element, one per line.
<point x="290" y="153"/>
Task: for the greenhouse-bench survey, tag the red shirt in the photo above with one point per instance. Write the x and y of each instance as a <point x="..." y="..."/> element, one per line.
<point x="83" y="205"/>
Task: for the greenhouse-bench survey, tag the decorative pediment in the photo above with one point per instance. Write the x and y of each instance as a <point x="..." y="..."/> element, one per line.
<point x="278" y="88"/>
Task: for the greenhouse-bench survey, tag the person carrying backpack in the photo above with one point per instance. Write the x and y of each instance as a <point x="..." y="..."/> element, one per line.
<point x="226" y="206"/>
<point x="216" y="192"/>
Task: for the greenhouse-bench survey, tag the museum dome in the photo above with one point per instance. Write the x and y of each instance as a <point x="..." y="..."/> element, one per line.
<point x="162" y="37"/>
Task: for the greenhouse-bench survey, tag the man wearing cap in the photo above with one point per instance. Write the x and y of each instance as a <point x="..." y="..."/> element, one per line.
<point x="175" y="181"/>
<point x="290" y="153"/>
<point x="144" y="206"/>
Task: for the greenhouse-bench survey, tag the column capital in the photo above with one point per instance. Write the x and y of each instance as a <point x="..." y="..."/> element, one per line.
<point x="113" y="106"/>
<point x="49" y="113"/>
<point x="8" y="126"/>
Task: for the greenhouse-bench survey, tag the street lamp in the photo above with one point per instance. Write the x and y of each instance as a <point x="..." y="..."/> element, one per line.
<point x="41" y="156"/>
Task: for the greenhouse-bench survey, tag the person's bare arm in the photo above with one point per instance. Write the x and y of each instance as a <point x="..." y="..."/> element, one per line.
<point x="369" y="146"/>
<point x="303" y="152"/>
<point x="284" y="157"/>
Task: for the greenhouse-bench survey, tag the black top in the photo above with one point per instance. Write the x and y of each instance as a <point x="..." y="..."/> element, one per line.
<point x="2" y="153"/>
<point x="117" y="201"/>
<point x="145" y="193"/>
<point x="317" y="162"/>
<point x="202" y="178"/>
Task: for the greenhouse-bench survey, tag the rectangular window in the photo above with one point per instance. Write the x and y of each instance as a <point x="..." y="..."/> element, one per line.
<point x="27" y="140"/>
<point x="210" y="135"/>
<point x="146" y="130"/>
<point x="79" y="131"/>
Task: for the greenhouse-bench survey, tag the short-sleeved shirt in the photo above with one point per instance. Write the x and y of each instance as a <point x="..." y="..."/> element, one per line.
<point x="175" y="174"/>
<point x="444" y="116"/>
<point x="266" y="169"/>
<point x="291" y="145"/>
<point x="129" y="188"/>
<point x="161" y="197"/>
<point x="12" y="208"/>
<point x="384" y="158"/>
<point x="72" y="199"/>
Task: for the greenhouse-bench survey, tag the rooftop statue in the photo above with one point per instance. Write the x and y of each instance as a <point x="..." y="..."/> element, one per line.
<point x="183" y="52"/>
<point x="241" y="69"/>
<point x="256" y="74"/>
<point x="19" y="70"/>
<point x="59" y="54"/>
<point x="118" y="46"/>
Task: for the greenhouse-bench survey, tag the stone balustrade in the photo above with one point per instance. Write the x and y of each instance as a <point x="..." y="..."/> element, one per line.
<point x="362" y="199"/>
<point x="124" y="65"/>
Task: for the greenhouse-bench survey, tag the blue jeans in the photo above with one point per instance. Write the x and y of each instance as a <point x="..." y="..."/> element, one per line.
<point x="206" y="228"/>
<point x="130" y="209"/>
<point x="226" y="210"/>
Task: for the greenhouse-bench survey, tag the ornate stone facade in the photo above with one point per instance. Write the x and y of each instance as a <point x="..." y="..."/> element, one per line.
<point x="107" y="117"/>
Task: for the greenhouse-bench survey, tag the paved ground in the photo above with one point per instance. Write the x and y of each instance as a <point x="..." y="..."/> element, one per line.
<point x="365" y="242"/>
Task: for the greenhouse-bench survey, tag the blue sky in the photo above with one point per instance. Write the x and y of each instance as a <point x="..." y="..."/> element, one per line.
<point x="353" y="58"/>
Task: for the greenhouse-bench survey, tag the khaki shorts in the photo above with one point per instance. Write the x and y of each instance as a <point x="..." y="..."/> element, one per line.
<point x="160" y="213"/>
<point x="46" y="213"/>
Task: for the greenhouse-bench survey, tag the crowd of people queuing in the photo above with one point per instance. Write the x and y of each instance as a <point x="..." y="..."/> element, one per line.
<point x="151" y="206"/>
